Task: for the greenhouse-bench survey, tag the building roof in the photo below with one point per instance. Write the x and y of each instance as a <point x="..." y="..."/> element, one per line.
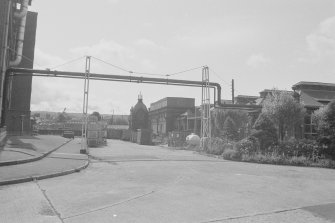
<point x="239" y="107"/>
<point x="226" y="101"/>
<point x="315" y="84"/>
<point x="247" y="96"/>
<point x="140" y="106"/>
<point x="313" y="98"/>
<point x="272" y="90"/>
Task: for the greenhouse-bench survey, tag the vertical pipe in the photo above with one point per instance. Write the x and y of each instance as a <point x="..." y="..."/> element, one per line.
<point x="4" y="62"/>
<point x="20" y="37"/>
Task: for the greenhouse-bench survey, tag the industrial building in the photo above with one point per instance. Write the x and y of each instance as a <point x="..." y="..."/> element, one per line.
<point x="17" y="42"/>
<point x="163" y="114"/>
<point x="313" y="95"/>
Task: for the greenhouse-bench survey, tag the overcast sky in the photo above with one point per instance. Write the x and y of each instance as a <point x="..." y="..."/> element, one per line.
<point x="259" y="43"/>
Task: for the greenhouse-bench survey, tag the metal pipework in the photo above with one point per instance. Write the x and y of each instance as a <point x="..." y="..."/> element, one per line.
<point x="104" y="77"/>
<point x="20" y="37"/>
<point x="113" y="77"/>
<point x="23" y="10"/>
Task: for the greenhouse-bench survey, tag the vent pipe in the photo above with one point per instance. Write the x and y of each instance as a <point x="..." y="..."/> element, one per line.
<point x="22" y="14"/>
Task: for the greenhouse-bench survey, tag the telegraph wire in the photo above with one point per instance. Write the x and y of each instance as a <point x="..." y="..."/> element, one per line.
<point x="115" y="66"/>
<point x="224" y="82"/>
<point x="145" y="73"/>
<point x="68" y="62"/>
<point x="184" y="71"/>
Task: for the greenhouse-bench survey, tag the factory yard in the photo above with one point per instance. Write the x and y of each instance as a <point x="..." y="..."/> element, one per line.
<point x="126" y="182"/>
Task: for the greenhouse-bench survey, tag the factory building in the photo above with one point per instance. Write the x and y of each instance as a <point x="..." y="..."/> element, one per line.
<point x="17" y="42"/>
<point x="163" y="114"/>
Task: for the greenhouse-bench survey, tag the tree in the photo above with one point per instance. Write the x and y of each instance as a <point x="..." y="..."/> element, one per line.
<point x="324" y="118"/>
<point x="230" y="130"/>
<point x="285" y="112"/>
<point x="62" y="117"/>
<point x="265" y="131"/>
<point x="229" y="122"/>
<point x="318" y="118"/>
<point x="97" y="114"/>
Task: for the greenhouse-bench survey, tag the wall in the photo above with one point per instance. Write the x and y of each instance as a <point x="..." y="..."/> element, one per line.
<point x="21" y="86"/>
<point x="163" y="113"/>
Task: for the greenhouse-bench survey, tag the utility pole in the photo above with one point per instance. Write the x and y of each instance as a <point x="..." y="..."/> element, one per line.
<point x="232" y="91"/>
<point x="205" y="109"/>
<point x="84" y="146"/>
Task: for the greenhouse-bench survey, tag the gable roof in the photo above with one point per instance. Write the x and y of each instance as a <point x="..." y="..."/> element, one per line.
<point x="313" y="98"/>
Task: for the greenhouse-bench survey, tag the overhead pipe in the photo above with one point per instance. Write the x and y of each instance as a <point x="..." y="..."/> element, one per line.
<point x="22" y="14"/>
<point x="150" y="80"/>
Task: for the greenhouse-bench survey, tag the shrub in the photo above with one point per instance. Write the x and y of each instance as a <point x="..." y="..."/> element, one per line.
<point x="293" y="147"/>
<point x="298" y="161"/>
<point x="248" y="145"/>
<point x="231" y="154"/>
<point x="216" y="148"/>
<point x="229" y="123"/>
<point x="325" y="125"/>
<point x="270" y="158"/>
<point x="265" y="131"/>
<point x="257" y="157"/>
<point x="324" y="163"/>
<point x="284" y="111"/>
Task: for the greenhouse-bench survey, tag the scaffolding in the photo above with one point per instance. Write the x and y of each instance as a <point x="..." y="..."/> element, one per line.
<point x="205" y="109"/>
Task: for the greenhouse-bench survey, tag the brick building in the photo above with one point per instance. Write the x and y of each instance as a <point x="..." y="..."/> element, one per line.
<point x="163" y="113"/>
<point x="313" y="95"/>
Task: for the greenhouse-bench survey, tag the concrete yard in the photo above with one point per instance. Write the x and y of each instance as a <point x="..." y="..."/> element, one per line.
<point x="127" y="182"/>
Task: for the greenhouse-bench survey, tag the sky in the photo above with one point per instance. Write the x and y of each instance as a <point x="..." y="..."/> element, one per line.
<point x="261" y="44"/>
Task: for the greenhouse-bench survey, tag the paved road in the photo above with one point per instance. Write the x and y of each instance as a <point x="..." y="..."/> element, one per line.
<point x="63" y="159"/>
<point x="131" y="183"/>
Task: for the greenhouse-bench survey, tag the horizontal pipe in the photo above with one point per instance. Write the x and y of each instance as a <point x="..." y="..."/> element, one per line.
<point x="105" y="79"/>
<point x="110" y="77"/>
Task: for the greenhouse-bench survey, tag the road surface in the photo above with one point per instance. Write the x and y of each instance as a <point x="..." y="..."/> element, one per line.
<point x="126" y="182"/>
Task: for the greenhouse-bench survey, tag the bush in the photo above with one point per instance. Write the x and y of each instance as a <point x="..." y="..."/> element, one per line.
<point x="231" y="154"/>
<point x="265" y="131"/>
<point x="269" y="158"/>
<point x="293" y="147"/>
<point x="282" y="108"/>
<point x="217" y="147"/>
<point x="324" y="119"/>
<point x="229" y="123"/>
<point x="324" y="163"/>
<point x="248" y="145"/>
